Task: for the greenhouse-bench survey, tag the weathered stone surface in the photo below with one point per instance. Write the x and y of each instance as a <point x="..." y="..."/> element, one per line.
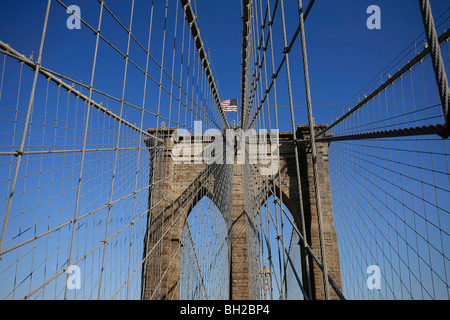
<point x="177" y="187"/>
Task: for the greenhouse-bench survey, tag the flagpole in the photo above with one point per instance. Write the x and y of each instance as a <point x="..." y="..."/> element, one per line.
<point x="237" y="116"/>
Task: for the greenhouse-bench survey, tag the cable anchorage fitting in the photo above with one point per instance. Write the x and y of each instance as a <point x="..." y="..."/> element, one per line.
<point x="18" y="153"/>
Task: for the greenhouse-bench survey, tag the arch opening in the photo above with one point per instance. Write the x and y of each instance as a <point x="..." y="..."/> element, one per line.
<point x="278" y="243"/>
<point x="204" y="272"/>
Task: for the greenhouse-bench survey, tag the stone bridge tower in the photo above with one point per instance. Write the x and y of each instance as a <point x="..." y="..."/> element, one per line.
<point x="177" y="186"/>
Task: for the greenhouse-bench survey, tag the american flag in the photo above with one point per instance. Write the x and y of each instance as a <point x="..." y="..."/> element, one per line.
<point x="229" y="105"/>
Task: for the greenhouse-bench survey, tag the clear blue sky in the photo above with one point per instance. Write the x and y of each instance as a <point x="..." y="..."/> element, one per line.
<point x="343" y="54"/>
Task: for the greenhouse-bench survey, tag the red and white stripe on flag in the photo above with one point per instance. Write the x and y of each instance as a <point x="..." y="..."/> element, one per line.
<point x="229" y="109"/>
<point x="229" y="105"/>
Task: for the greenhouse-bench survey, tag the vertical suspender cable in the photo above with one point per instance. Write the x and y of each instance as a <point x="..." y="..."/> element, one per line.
<point x="297" y="160"/>
<point x="27" y="121"/>
<point x="313" y="150"/>
<point x="116" y="151"/>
